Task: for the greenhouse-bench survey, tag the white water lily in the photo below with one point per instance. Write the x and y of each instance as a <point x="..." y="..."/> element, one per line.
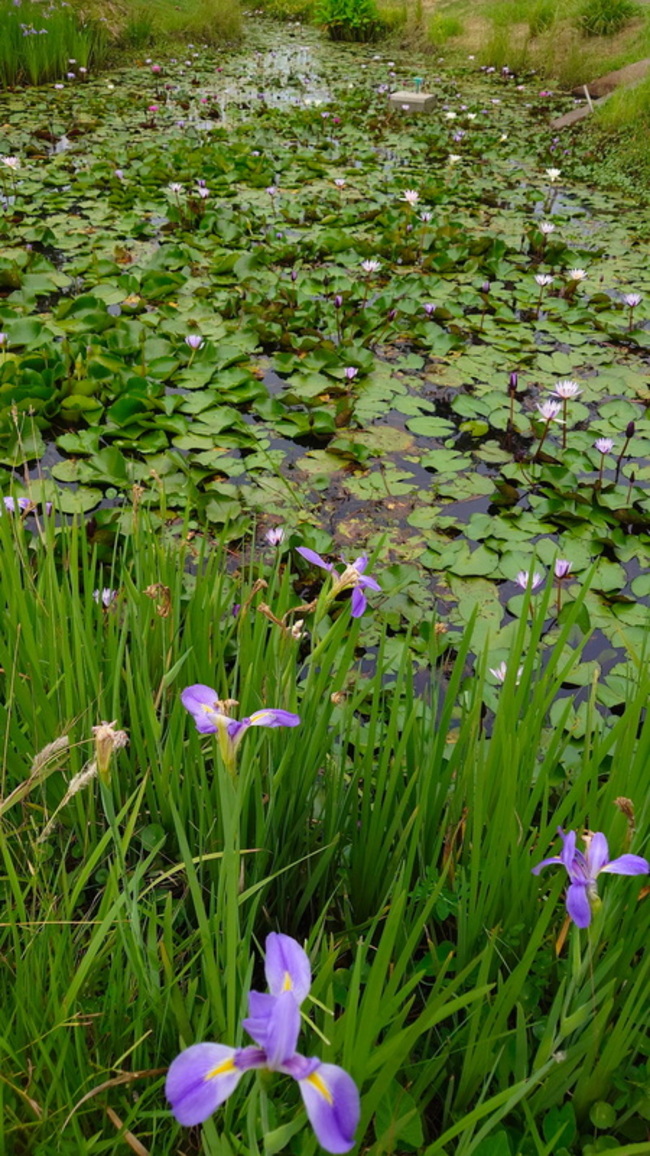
<point x="566" y="390"/>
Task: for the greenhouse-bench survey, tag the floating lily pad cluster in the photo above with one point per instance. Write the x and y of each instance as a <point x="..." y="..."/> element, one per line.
<point x="248" y="285"/>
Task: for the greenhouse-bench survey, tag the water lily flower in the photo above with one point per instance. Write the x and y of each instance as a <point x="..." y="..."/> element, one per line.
<point x="204" y="1075"/>
<point x="11" y="162"/>
<point x="576" y="274"/>
<point x="339" y="182"/>
<point x="524" y="577"/>
<point x="353" y="576"/>
<point x="370" y="265"/>
<point x="350" y="372"/>
<point x="562" y="568"/>
<point x="454" y="158"/>
<point x="583" y="871"/>
<point x="274" y="536"/>
<point x="429" y="308"/>
<point x="566" y="390"/>
<point x="543" y="279"/>
<point x="426" y="217"/>
<point x="604" y="445"/>
<point x="632" y="300"/>
<point x="549" y="410"/>
<point x="410" y="196"/>
<point x="4" y="337"/>
<point x="194" y="341"/>
<point x="500" y="672"/>
<point x="175" y="187"/>
<point x="272" y="190"/>
<point x="553" y="174"/>
<point x="210" y="716"/>
<point x="546" y="227"/>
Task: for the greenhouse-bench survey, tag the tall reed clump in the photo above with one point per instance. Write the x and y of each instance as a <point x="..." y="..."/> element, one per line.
<point x="40" y="44"/>
<point x="392" y="834"/>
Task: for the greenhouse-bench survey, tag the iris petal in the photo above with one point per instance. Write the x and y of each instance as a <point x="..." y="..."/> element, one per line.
<point x="199" y="1080"/>
<point x="577" y="905"/>
<point x="332" y="1101"/>
<point x="627" y="865"/>
<point x="286" y="966"/>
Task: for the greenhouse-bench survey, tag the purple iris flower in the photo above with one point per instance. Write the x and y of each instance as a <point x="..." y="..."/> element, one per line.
<point x="209" y="715"/>
<point x="353" y="576"/>
<point x="584" y="869"/>
<point x="204" y="1075"/>
<point x="12" y="504"/>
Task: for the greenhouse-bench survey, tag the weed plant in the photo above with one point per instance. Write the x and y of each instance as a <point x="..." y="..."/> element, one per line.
<point x="352" y="20"/>
<point x="394" y="835"/>
<point x="40" y="44"/>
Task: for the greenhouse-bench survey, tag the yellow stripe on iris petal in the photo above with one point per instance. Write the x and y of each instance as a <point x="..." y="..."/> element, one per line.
<point x="257" y="715"/>
<point x="319" y="1084"/>
<point x="288" y="982"/>
<point x="220" y="1070"/>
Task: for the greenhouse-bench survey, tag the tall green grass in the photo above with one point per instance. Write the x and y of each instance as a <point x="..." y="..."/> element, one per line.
<point x="158" y="21"/>
<point x="394" y="834"/>
<point x="37" y="42"/>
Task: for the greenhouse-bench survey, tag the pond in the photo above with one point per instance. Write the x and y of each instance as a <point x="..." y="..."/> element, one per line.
<point x="245" y="283"/>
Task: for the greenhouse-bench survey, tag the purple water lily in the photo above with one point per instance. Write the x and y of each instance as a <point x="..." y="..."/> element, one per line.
<point x="353" y="576"/>
<point x="209" y="713"/>
<point x="583" y="870"/>
<point x="203" y="1076"/>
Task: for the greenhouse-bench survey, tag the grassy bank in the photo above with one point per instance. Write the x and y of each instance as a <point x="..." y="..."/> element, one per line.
<point x="393" y="835"/>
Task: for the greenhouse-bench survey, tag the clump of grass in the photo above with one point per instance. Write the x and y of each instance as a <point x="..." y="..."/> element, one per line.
<point x="204" y="21"/>
<point x="37" y="43"/>
<point x="627" y="108"/>
<point x="302" y="10"/>
<point x="207" y="21"/>
<point x="571" y="43"/>
<point x="443" y="28"/>
<point x="605" y="17"/>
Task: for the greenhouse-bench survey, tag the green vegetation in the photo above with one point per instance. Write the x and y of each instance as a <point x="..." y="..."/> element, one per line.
<point x="605" y="17"/>
<point x="394" y="835"/>
<point x="248" y="308"/>
<point x="353" y="20"/>
<point x="39" y="44"/>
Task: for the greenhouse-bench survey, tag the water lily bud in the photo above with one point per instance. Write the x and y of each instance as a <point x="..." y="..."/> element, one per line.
<point x="513" y="382"/>
<point x="485" y="287"/>
<point x="629" y="430"/>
